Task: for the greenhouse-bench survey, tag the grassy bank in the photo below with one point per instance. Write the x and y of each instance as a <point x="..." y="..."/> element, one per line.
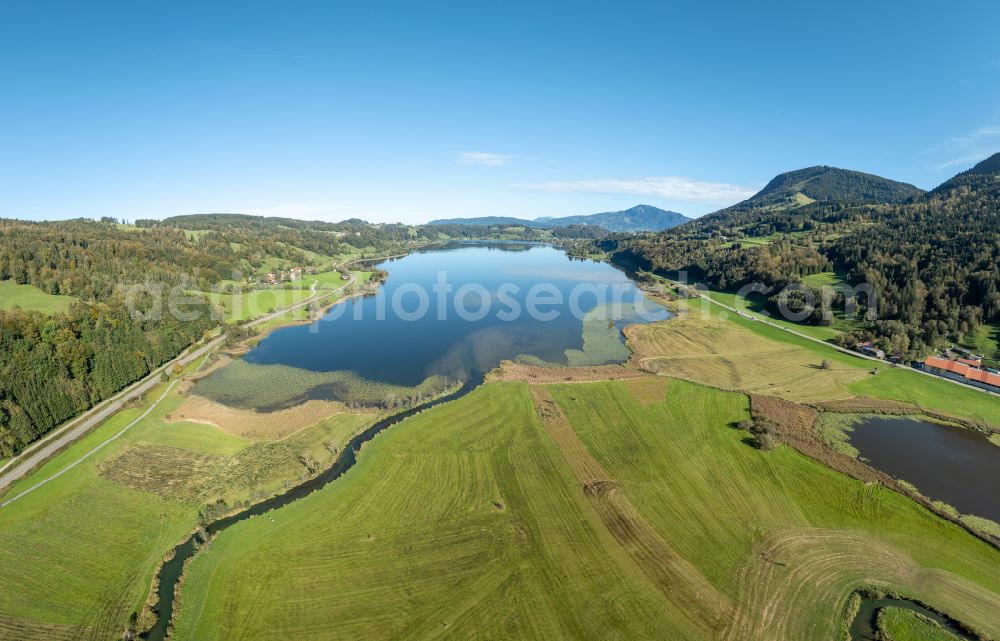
<point x="614" y="510"/>
<point x="898" y="624"/>
<point x="255" y="303"/>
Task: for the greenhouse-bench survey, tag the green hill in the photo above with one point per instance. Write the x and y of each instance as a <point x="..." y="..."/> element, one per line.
<point x="802" y="187"/>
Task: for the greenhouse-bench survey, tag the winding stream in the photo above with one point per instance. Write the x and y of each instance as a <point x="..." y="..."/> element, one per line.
<point x="170" y="571"/>
<point x="864" y="626"/>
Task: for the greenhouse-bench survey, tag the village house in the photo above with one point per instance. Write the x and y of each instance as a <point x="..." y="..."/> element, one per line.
<point x="960" y="371"/>
<point x="295" y="273"/>
<point x="868" y="348"/>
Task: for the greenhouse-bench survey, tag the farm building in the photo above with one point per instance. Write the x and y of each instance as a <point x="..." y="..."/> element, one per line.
<point x="960" y="371"/>
<point x="868" y="348"/>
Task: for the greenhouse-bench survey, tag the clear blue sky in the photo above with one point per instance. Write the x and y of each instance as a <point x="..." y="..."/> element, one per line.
<point x="411" y="112"/>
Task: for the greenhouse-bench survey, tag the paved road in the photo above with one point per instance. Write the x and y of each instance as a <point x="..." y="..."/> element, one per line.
<point x="59" y="439"/>
<point x="851" y="352"/>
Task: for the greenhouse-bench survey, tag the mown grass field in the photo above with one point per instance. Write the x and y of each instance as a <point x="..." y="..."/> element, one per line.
<point x="754" y="305"/>
<point x="78" y="554"/>
<point x="733" y="352"/>
<point x="30" y="298"/>
<point x="728" y="353"/>
<point x="614" y="510"/>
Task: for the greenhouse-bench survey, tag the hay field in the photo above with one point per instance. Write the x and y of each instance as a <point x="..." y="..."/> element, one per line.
<point x="606" y="510"/>
<point x="730" y="352"/>
<point x="724" y="354"/>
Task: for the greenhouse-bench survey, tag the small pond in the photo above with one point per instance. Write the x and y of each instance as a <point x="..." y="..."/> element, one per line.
<point x="947" y="463"/>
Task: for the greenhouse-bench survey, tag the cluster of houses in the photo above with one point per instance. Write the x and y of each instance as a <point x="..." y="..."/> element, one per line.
<point x="967" y="369"/>
<point x="274" y="278"/>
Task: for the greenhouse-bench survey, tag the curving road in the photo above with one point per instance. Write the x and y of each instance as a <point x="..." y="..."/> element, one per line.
<point x="57" y="440"/>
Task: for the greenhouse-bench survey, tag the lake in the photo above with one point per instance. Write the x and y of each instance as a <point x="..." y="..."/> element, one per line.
<point x="444" y="317"/>
<point x="952" y="464"/>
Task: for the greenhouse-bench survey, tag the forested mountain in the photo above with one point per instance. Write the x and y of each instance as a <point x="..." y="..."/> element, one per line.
<point x="795" y="189"/>
<point x="933" y="258"/>
<point x="638" y="218"/>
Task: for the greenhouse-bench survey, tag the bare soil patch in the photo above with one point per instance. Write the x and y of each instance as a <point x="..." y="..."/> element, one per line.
<point x="250" y="424"/>
<point x="522" y="373"/>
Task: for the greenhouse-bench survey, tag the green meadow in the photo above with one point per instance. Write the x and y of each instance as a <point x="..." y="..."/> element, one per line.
<point x="825" y="279"/>
<point x="613" y="510"/>
<point x="30" y="298"/>
<point x="257" y="302"/>
<point x="754" y="306"/>
<point x="83" y="548"/>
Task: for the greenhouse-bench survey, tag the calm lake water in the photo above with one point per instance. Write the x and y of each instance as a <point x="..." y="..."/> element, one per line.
<point x="386" y="338"/>
<point x="951" y="464"/>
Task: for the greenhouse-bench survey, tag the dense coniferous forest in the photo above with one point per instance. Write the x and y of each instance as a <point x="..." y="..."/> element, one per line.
<point x="932" y="258"/>
<point x="53" y="367"/>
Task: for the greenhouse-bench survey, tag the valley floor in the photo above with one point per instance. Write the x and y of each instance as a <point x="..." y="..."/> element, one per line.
<point x="605" y="510"/>
<point x="546" y="505"/>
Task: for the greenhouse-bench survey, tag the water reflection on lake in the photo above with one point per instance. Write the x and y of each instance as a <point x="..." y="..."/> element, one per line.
<point x="457" y="310"/>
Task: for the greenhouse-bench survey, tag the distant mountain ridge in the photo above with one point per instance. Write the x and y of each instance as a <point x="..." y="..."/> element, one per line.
<point x="638" y="218"/>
